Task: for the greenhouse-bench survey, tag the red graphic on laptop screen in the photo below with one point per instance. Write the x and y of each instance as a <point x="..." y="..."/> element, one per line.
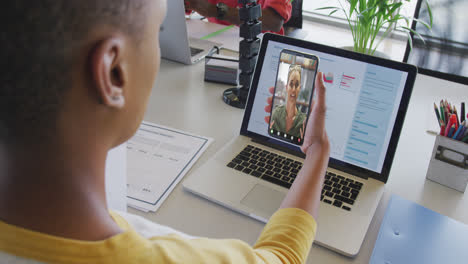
<point x="328" y="78"/>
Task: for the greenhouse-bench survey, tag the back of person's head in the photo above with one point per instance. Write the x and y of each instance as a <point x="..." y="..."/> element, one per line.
<point x="41" y="43"/>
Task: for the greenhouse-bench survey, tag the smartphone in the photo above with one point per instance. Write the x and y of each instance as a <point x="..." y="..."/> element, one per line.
<point x="293" y="93"/>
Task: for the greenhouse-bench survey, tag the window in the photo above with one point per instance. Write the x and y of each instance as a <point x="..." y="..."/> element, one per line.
<point x="310" y="9"/>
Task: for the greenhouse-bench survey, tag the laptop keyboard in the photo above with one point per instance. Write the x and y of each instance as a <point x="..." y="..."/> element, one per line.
<point x="266" y="165"/>
<point x="340" y="191"/>
<point x="194" y="51"/>
<point x="337" y="190"/>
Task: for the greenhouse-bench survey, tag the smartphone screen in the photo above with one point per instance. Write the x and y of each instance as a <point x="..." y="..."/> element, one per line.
<point x="292" y="96"/>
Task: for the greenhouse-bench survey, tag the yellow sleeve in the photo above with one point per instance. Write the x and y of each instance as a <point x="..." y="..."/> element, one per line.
<point x="286" y="238"/>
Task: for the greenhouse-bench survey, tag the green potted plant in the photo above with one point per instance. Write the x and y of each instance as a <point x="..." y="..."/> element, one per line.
<point x="366" y="18"/>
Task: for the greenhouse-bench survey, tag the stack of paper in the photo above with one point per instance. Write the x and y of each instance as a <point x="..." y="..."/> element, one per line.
<point x="158" y="158"/>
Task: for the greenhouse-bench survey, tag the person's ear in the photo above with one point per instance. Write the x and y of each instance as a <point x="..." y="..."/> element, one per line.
<point x="108" y="72"/>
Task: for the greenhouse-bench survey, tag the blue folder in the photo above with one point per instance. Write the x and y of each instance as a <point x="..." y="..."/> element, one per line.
<point x="414" y="234"/>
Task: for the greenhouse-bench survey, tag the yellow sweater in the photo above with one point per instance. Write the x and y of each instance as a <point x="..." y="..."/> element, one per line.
<point x="286" y="238"/>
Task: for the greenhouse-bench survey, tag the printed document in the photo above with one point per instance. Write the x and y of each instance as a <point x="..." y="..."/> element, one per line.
<point x="158" y="158"/>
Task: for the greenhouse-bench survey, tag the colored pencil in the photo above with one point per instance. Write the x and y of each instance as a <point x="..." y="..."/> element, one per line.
<point x="454" y="120"/>
<point x="452" y="129"/>
<point x="462" y="132"/>
<point x="442" y="112"/>
<point x="437" y="114"/>
<point x="456" y="114"/>
<point x="466" y="130"/>
<point x="449" y="125"/>
<point x="465" y="133"/>
<point x="462" y="112"/>
<point x="446" y="111"/>
<point x="459" y="130"/>
<point x="442" y="129"/>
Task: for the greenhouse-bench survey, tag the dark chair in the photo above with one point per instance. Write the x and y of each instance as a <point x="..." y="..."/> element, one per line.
<point x="296" y="15"/>
<point x="293" y="28"/>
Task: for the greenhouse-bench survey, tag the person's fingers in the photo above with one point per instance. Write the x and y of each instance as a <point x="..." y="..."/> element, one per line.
<point x="304" y="146"/>
<point x="312" y="106"/>
<point x="321" y="93"/>
<point x="269" y="105"/>
<point x="272" y="123"/>
<point x="316" y="124"/>
<point x="270" y="100"/>
<point x="271" y="90"/>
<point x="302" y="129"/>
<point x="319" y="106"/>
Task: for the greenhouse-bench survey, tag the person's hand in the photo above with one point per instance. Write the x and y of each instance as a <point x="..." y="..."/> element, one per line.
<point x="269" y="105"/>
<point x="302" y="129"/>
<point x="315" y="137"/>
<point x="307" y="187"/>
<point x="203" y="7"/>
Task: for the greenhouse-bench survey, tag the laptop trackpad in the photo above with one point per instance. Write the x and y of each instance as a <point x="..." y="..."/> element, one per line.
<point x="263" y="200"/>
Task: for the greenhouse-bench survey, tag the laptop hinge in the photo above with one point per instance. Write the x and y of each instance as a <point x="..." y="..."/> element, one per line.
<point x="279" y="147"/>
<point x="347" y="170"/>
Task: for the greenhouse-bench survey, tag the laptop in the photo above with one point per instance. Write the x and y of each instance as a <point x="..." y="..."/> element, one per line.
<point x="367" y="98"/>
<point x="174" y="42"/>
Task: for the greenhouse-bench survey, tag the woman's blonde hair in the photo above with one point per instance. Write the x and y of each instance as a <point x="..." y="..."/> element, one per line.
<point x="295" y="68"/>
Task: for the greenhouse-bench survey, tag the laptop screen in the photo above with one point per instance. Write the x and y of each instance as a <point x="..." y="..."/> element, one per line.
<point x="363" y="101"/>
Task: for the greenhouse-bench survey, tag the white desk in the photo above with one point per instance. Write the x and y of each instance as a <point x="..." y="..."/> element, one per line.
<point x="181" y="99"/>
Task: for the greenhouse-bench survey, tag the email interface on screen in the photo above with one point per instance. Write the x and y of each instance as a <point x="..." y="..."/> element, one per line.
<point x="362" y="104"/>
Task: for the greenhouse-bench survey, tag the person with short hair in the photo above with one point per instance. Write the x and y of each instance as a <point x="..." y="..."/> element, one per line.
<point x="75" y="80"/>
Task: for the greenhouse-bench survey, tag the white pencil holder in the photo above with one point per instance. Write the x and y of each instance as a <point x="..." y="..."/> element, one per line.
<point x="449" y="163"/>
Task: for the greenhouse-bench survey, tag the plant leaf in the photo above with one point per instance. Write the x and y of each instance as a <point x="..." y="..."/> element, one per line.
<point x="410" y="41"/>
<point x="353" y="4"/>
<point x="424" y="23"/>
<point x="333" y="12"/>
<point x="362" y="5"/>
<point x="407" y="19"/>
<point x="327" y="7"/>
<point x="415" y="33"/>
<point x="429" y="10"/>
<point x="393" y="8"/>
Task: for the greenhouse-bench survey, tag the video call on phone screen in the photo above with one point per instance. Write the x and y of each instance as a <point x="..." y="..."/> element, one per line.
<point x="292" y="96"/>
